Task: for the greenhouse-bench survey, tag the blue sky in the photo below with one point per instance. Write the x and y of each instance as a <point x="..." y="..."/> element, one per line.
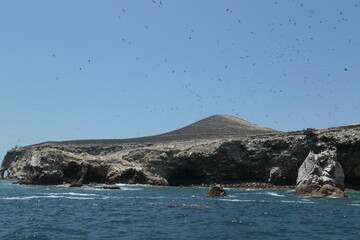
<point x="120" y="69"/>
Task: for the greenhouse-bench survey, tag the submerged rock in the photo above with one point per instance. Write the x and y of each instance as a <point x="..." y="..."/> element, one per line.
<point x="108" y="187"/>
<point x="182" y="205"/>
<point x="321" y="175"/>
<point x="216" y="191"/>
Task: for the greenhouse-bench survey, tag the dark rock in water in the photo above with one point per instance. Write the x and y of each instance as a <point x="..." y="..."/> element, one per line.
<point x="321" y="175"/>
<point x="76" y="184"/>
<point x="109" y="187"/>
<point x="216" y="191"/>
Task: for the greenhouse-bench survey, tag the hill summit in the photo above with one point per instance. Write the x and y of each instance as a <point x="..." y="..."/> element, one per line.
<point x="218" y="126"/>
<point x="213" y="127"/>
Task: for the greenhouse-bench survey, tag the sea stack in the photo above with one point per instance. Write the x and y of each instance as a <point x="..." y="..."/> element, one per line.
<point x="321" y="175"/>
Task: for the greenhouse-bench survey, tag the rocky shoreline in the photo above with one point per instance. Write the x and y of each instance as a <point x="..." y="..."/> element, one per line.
<point x="269" y="160"/>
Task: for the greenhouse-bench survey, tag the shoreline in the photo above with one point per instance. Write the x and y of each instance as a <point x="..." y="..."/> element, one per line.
<point x="244" y="185"/>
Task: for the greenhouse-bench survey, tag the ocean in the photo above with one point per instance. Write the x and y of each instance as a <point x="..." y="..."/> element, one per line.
<point x="156" y="212"/>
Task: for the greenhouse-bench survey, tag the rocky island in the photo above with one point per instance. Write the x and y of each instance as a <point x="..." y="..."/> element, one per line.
<point x="219" y="149"/>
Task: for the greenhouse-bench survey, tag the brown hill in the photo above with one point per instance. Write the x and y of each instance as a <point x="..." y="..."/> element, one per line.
<point x="213" y="127"/>
<point x="218" y="126"/>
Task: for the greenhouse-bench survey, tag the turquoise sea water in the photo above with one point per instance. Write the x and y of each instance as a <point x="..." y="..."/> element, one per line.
<point x="148" y="212"/>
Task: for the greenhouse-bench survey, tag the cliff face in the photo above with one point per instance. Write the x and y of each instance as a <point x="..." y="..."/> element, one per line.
<point x="180" y="162"/>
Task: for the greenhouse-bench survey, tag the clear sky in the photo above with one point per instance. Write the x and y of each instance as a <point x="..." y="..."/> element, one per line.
<point x="119" y="69"/>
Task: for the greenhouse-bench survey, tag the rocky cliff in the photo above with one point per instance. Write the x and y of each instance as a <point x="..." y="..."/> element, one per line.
<point x="219" y="149"/>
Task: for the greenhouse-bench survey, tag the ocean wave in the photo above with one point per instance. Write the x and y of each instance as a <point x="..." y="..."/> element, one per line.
<point x="132" y="185"/>
<point x="80" y="198"/>
<point x="29" y="197"/>
<point x="289" y="201"/>
<point x="54" y="195"/>
<point x="306" y="199"/>
<point x="62" y="185"/>
<point x="354" y="204"/>
<point x="275" y="194"/>
<point x="72" y="194"/>
<point x="20" y="198"/>
<point x="271" y="194"/>
<point x="236" y="200"/>
<point x="131" y="189"/>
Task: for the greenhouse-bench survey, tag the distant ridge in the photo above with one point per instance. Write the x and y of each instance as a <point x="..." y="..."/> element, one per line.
<point x="213" y="127"/>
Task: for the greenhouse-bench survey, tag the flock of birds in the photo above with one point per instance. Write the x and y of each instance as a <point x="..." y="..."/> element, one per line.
<point x="296" y="52"/>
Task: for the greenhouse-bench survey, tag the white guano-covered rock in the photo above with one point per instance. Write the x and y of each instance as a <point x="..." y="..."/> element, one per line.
<point x="318" y="172"/>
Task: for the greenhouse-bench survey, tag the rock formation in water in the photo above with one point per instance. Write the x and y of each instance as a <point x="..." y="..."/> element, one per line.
<point x="321" y="175"/>
<point x="216" y="191"/>
<point x="218" y="149"/>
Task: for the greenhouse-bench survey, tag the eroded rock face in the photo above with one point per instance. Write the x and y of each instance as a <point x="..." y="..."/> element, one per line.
<point x="321" y="175"/>
<point x="41" y="167"/>
<point x="196" y="161"/>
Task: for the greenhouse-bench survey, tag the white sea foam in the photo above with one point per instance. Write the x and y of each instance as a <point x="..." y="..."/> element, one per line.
<point x="274" y="194"/>
<point x="306" y="199"/>
<point x="62" y="185"/>
<point x="249" y="189"/>
<point x="270" y="194"/>
<point x="131" y="189"/>
<point x="53" y="195"/>
<point x="30" y="197"/>
<point x="74" y="194"/>
<point x="236" y="200"/>
<point x="354" y="204"/>
<point x="19" y="198"/>
<point x="132" y="185"/>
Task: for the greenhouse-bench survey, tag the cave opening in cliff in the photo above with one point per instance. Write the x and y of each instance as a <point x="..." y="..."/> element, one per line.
<point x="185" y="177"/>
<point x="72" y="172"/>
<point x="132" y="176"/>
<point x="96" y="174"/>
